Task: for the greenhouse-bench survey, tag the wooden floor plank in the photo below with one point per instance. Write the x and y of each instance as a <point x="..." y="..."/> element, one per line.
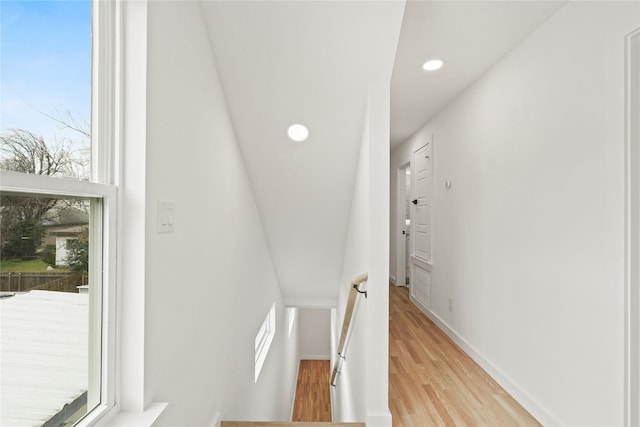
<point x="432" y="382"/>
<point x="312" y="402"/>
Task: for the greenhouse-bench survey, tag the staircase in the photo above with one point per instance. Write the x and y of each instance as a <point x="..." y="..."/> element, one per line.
<point x="286" y="424"/>
<point x="354" y="291"/>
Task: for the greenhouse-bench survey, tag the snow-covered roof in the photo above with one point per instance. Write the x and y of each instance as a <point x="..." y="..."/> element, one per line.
<point x="43" y="355"/>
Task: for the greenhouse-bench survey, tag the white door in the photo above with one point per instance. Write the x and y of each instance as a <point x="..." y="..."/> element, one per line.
<point x="421" y="203"/>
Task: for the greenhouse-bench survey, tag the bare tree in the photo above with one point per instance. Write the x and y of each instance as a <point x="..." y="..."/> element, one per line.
<point x="24" y="151"/>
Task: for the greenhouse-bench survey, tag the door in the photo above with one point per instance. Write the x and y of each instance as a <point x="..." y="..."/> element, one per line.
<point x="403" y="258"/>
<point x="421" y="187"/>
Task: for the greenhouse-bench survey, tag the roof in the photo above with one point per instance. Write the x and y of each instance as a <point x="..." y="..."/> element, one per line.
<point x="43" y="355"/>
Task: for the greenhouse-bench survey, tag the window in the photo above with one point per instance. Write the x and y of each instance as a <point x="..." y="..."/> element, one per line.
<point x="57" y="236"/>
<point x="292" y="318"/>
<point x="263" y="340"/>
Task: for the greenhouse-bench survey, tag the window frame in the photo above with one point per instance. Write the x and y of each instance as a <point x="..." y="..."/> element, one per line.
<point x="263" y="340"/>
<point x="103" y="218"/>
<point x="106" y="76"/>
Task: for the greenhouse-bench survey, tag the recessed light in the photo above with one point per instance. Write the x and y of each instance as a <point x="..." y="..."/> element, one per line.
<point x="432" y="65"/>
<point x="298" y="132"/>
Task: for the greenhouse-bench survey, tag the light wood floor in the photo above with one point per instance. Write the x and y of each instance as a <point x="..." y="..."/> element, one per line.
<point x="312" y="402"/>
<point x="432" y="382"/>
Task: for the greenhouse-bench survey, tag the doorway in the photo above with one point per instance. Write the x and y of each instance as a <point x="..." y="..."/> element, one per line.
<point x="403" y="229"/>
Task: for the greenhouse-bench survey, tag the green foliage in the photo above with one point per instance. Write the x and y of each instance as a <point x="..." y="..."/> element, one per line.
<point x="22" y="239"/>
<point x="48" y="255"/>
<point x="78" y="253"/>
<point x="31" y="266"/>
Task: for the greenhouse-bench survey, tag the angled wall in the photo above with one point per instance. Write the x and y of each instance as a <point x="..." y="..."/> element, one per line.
<point x="361" y="393"/>
<point x="211" y="282"/>
<point x="529" y="241"/>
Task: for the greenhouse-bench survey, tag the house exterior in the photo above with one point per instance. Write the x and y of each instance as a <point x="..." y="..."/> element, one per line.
<point x="61" y="226"/>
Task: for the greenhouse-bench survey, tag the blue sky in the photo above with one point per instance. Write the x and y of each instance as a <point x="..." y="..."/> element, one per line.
<point x="45" y="64"/>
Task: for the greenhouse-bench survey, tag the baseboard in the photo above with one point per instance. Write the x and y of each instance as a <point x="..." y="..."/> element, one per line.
<point x="523" y="398"/>
<point x="379" y="420"/>
<point x="392" y="279"/>
<point x="295" y="390"/>
<point x="314" y="357"/>
<point x="215" y="421"/>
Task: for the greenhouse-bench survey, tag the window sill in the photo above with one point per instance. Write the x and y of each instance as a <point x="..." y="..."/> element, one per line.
<point x="135" y="419"/>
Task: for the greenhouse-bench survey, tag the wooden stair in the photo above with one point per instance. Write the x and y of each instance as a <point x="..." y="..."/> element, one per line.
<point x="287" y="424"/>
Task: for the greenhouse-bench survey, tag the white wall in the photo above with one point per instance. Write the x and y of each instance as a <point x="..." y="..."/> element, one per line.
<point x="210" y="284"/>
<point x="529" y="241"/>
<point x="315" y="333"/>
<point x="349" y="398"/>
<point x="361" y="393"/>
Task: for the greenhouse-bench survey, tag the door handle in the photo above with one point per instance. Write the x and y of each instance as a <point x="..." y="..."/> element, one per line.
<point x="414" y="201"/>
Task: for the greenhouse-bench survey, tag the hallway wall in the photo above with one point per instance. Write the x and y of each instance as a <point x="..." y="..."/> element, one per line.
<point x="528" y="243"/>
<point x="209" y="284"/>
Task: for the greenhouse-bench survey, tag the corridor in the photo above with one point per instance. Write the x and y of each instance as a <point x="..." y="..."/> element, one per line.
<point x="432" y="382"/>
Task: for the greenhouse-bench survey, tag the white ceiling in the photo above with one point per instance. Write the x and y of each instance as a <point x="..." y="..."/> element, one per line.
<point x="285" y="62"/>
<point x="303" y="62"/>
<point x="470" y="36"/>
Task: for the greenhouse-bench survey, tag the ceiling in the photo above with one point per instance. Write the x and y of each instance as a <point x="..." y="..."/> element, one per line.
<point x="309" y="62"/>
<point x="469" y="36"/>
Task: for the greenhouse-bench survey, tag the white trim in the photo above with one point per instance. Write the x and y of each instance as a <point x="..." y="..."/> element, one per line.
<point x="401" y="252"/>
<point x="104" y="77"/>
<point x="632" y="234"/>
<point x="17" y="182"/>
<point x="425" y="265"/>
<point x="316" y="357"/>
<point x="145" y="418"/>
<point x="311" y="303"/>
<point x="393" y="281"/>
<point x="263" y="340"/>
<point x="130" y="175"/>
<point x="295" y="390"/>
<point x="518" y="393"/>
<point x="379" y="420"/>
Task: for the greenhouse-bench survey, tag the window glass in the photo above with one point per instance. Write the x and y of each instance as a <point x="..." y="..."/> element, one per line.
<point x="263" y="340"/>
<point x="45" y="87"/>
<point x="49" y="338"/>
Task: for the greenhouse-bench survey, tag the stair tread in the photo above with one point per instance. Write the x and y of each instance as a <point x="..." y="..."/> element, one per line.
<point x="287" y="424"/>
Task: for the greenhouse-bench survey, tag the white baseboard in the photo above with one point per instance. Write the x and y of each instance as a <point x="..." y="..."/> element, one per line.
<point x="392" y="279"/>
<point x="531" y="405"/>
<point x="379" y="420"/>
<point x="315" y="357"/>
<point x="215" y="421"/>
<point x="295" y="389"/>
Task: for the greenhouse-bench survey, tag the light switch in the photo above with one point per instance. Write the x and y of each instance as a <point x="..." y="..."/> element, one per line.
<point x="166" y="216"/>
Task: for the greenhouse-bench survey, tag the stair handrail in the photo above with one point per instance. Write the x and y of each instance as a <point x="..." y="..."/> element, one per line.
<point x="354" y="291"/>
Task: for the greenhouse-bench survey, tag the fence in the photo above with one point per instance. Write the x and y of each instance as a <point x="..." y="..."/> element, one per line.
<point x="22" y="282"/>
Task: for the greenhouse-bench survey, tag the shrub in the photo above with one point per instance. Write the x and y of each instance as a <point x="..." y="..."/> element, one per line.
<point x="48" y="255"/>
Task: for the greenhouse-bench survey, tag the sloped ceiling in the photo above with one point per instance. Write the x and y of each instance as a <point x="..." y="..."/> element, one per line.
<point x="303" y="62"/>
<point x="309" y="62"/>
<point x="470" y="36"/>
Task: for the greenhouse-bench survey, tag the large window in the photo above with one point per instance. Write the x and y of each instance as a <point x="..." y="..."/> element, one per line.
<point x="57" y="213"/>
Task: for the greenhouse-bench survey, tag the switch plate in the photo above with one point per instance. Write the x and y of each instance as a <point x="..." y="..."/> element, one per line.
<point x="166" y="216"/>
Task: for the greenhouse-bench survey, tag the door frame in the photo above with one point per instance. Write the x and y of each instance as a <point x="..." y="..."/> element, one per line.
<point x="632" y="232"/>
<point x="401" y="244"/>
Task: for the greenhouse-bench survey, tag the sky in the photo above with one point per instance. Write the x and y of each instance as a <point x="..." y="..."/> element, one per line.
<point x="45" y="64"/>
